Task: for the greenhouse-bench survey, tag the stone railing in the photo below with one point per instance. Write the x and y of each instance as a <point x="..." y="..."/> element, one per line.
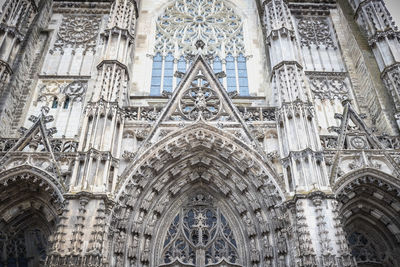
<point x="249" y="114"/>
<point x="57" y="144"/>
<point x="143" y="113"/>
<point x="389" y="142"/>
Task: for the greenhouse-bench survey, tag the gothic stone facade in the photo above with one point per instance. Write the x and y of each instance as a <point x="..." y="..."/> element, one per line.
<point x="199" y="133"/>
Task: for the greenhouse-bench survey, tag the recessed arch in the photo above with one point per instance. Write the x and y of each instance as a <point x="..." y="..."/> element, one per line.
<point x="389" y="180"/>
<point x="31" y="203"/>
<point x="218" y="203"/>
<point x="370" y="208"/>
<point x="22" y="172"/>
<point x="201" y="136"/>
<point x="197" y="156"/>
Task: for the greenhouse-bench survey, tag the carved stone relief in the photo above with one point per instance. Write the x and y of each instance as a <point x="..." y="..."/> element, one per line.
<point x="60" y="90"/>
<point x="329" y="86"/>
<point x="200" y="101"/>
<point x="78" y="31"/>
<point x="315" y="31"/>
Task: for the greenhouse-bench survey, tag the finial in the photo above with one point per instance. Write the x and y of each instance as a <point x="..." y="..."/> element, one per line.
<point x="199" y="44"/>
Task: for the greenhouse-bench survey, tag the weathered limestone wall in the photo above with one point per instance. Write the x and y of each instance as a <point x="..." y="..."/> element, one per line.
<point x="371" y="96"/>
<point x="19" y="86"/>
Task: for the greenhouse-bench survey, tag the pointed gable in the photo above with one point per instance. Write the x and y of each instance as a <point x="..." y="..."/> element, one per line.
<point x="36" y="138"/>
<point x="201" y="98"/>
<point x="353" y="132"/>
<point x="356" y="138"/>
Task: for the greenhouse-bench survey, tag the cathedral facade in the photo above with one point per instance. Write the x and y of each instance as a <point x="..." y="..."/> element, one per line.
<point x="229" y="133"/>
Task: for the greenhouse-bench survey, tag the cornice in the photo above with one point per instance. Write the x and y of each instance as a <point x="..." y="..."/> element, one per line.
<point x="82" y="6"/>
<point x="291" y="202"/>
<point x="321" y="8"/>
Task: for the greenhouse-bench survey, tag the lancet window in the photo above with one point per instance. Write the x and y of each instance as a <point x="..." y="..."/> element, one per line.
<point x="186" y="22"/>
<point x="25" y="248"/>
<point x="200" y="235"/>
<point x="363" y="250"/>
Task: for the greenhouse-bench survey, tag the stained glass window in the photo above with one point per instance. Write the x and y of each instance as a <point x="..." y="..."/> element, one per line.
<point x="200" y="235"/>
<point x="363" y="250"/>
<point x="156" y="75"/>
<point x="184" y="23"/>
<point x="181" y="67"/>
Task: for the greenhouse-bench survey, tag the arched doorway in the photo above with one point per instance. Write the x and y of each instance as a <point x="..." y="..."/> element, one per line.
<point x="371" y="216"/>
<point x="29" y="210"/>
<point x="157" y="200"/>
<point x="201" y="234"/>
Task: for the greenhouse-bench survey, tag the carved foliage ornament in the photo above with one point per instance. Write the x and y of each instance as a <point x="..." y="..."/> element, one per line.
<point x="199" y="100"/>
<point x="329" y="87"/>
<point x="315" y="31"/>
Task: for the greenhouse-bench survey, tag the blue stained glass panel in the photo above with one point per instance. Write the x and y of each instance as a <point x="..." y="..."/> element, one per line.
<point x="217" y="66"/>
<point x="242" y="73"/>
<point x="181" y="68"/>
<point x="156" y="75"/>
<point x="168" y="72"/>
<point x="231" y="73"/>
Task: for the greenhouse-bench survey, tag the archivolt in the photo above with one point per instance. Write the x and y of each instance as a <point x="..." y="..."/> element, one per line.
<point x="31" y="202"/>
<point x="197" y="157"/>
<point x="221" y="143"/>
<point x="367" y="175"/>
<point x="370" y="206"/>
<point x="29" y="174"/>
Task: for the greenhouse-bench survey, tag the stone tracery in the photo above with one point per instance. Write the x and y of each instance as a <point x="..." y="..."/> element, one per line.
<point x="193" y="169"/>
<point x="184" y="25"/>
<point x="77" y="31"/>
<point x="122" y="203"/>
<point x="187" y="21"/>
<point x="200" y="100"/>
<point x="200" y="234"/>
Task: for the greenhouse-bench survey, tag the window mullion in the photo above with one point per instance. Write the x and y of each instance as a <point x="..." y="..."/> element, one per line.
<point x="225" y="80"/>
<point x="174" y="79"/>
<point x="162" y="74"/>
<point x="237" y="75"/>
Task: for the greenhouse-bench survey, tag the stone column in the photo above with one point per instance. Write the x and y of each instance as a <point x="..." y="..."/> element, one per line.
<point x="102" y="128"/>
<point x="384" y="39"/>
<point x="15" y="18"/>
<point x="20" y="25"/>
<point x="301" y="154"/>
<point x="82" y="240"/>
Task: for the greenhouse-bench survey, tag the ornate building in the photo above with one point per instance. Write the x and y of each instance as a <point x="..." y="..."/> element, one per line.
<point x="199" y="133"/>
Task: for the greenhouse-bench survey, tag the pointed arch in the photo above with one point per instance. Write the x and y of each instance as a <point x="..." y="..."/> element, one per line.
<point x="198" y="156"/>
<point x="207" y="136"/>
<point x="33" y="174"/>
<point x="213" y="201"/>
<point x="350" y="177"/>
<point x="31" y="203"/>
<point x="370" y="208"/>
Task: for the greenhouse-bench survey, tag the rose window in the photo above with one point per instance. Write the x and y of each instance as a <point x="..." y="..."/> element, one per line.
<point x="183" y="24"/>
<point x="78" y="29"/>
